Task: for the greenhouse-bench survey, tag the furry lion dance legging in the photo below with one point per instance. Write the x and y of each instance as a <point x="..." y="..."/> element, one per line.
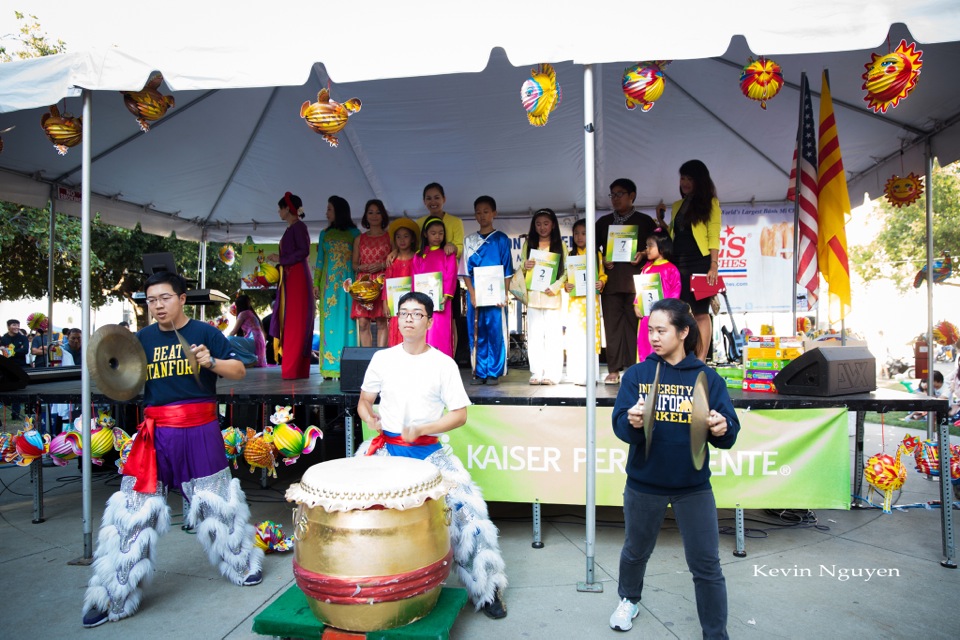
<point x="476" y="550"/>
<point x="133" y="523"/>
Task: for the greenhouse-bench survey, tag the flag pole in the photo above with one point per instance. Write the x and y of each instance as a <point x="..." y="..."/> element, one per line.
<point x="843" y="317"/>
<point x="796" y="201"/>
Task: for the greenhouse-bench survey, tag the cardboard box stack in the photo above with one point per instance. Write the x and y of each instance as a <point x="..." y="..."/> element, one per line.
<point x="765" y="356"/>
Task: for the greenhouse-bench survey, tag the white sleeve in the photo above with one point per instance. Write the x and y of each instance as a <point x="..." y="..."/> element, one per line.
<point x="452" y="392"/>
<point x="373" y="378"/>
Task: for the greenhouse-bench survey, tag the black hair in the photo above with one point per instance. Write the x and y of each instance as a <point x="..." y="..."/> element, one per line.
<point x="681" y="317"/>
<point x="418" y="296"/>
<point x="176" y="281"/>
<point x="243" y="304"/>
<point x="434" y="185"/>
<point x="937" y="377"/>
<point x="341" y="214"/>
<point x="704" y="191"/>
<point x="624" y="183"/>
<point x="556" y="242"/>
<point x="290" y="199"/>
<point x="73" y="331"/>
<point x="424" y="243"/>
<point x="485" y="200"/>
<point x="582" y="222"/>
<point x="12" y="321"/>
<point x="383" y="214"/>
<point x="664" y="243"/>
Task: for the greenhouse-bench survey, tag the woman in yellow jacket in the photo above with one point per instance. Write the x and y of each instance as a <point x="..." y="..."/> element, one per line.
<point x="695" y="229"/>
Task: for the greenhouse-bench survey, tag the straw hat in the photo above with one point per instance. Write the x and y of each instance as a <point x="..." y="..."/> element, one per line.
<point x="404" y="223"/>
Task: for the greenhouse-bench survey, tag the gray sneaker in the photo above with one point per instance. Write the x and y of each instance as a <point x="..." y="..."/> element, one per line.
<point x="622" y="618"/>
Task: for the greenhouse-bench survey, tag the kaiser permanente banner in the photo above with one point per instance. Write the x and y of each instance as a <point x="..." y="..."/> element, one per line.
<point x="783" y="459"/>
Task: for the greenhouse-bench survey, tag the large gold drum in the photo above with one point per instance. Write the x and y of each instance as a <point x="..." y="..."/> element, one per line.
<point x="372" y="547"/>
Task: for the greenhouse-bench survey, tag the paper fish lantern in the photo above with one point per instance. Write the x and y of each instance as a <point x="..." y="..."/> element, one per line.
<point x="148" y="104"/>
<point x="292" y="442"/>
<point x="105" y="420"/>
<point x="101" y="437"/>
<point x="890" y="78"/>
<point x="259" y="451"/>
<point x="29" y="446"/>
<point x="327" y="117"/>
<point x="946" y="333"/>
<point x="63" y="131"/>
<point x="365" y="290"/>
<point x="8" y="452"/>
<point x="228" y="255"/>
<point x="643" y="84"/>
<point x="64" y="447"/>
<point x="38" y="322"/>
<point x="942" y="269"/>
<point x="233" y="442"/>
<point x="541" y="94"/>
<point x="903" y="191"/>
<point x="761" y="80"/>
<point x="269" y="537"/>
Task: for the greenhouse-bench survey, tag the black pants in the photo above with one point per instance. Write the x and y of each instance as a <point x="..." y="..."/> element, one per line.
<point x="620" y="324"/>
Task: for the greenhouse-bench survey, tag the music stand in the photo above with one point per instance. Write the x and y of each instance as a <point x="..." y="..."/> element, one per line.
<point x="156" y="262"/>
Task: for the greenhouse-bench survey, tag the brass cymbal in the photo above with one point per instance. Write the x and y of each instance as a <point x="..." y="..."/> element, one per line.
<point x="699" y="428"/>
<point x="190" y="355"/>
<point x="650" y="410"/>
<point x="116" y="362"/>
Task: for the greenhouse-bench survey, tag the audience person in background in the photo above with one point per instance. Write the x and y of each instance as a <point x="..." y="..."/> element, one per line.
<point x="16" y="346"/>
<point x="334" y="267"/>
<point x="248" y="333"/>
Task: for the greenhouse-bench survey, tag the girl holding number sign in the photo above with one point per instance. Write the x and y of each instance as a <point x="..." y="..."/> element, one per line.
<point x="429" y="262"/>
<point x="576" y="336"/>
<point x="659" y="252"/>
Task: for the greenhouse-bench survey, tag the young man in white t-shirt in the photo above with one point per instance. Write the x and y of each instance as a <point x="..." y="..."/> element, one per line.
<point x="421" y="396"/>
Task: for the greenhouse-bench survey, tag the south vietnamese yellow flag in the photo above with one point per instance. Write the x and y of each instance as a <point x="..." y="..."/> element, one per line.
<point x="833" y="210"/>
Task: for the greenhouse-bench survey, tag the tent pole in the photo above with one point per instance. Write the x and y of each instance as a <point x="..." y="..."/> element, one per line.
<point x="51" y="247"/>
<point x="928" y="165"/>
<point x="202" y="271"/>
<point x="589" y="170"/>
<point x="85" y="327"/>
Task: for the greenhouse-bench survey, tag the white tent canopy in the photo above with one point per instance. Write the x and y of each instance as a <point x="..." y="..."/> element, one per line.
<point x="216" y="164"/>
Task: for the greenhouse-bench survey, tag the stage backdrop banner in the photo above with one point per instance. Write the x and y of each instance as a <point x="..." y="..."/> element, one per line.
<point x="783" y="459"/>
<point x="256" y="272"/>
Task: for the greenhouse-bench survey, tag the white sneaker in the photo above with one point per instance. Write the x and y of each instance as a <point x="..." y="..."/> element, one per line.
<point x="622" y="618"/>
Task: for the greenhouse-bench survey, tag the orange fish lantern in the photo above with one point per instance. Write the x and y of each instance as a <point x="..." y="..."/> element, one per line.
<point x="903" y="191"/>
<point x="227" y="254"/>
<point x="889" y="78"/>
<point x="260" y="452"/>
<point x="541" y="94"/>
<point x="327" y="117"/>
<point x="148" y="104"/>
<point x="643" y="84"/>
<point x="64" y="131"/>
<point x="761" y="80"/>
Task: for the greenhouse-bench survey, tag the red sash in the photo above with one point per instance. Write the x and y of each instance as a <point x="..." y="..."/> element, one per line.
<point x="142" y="461"/>
<point x="384" y="439"/>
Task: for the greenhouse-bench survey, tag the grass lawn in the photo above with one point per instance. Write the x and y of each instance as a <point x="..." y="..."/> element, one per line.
<point x="896" y="419"/>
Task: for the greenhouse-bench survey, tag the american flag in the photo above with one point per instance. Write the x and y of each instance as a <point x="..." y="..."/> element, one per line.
<point x="807" y="276"/>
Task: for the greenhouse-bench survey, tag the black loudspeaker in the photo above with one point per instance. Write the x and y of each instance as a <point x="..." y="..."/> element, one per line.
<point x="12" y="375"/>
<point x="829" y="371"/>
<point x="353" y="366"/>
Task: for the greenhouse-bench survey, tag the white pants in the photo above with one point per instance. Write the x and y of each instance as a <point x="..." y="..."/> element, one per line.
<point x="545" y="343"/>
<point x="576" y="344"/>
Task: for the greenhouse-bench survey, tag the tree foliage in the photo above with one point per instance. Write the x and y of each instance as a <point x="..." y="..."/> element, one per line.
<point x="899" y="250"/>
<point x="30" y="40"/>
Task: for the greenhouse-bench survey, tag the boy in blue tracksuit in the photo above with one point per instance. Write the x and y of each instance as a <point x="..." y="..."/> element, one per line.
<point x="668" y="475"/>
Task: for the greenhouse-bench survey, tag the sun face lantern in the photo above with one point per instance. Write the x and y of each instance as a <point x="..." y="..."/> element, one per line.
<point x="889" y="78"/>
<point x="64" y="131"/>
<point x="148" y="105"/>
<point x="643" y="84"/>
<point x="761" y="80"/>
<point x="541" y="94"/>
<point x="903" y="191"/>
<point x="227" y="254"/>
<point x="328" y="117"/>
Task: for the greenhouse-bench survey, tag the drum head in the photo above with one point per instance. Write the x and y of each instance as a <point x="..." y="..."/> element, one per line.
<point x="349" y="484"/>
<point x="699" y="429"/>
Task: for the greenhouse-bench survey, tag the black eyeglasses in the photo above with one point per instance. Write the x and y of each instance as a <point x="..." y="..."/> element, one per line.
<point x="618" y="194"/>
<point x="416" y="315"/>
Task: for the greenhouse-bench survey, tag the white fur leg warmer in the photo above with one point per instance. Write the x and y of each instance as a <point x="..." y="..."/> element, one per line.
<point x="473" y="536"/>
<point x="220" y="516"/>
<point x="124" y="558"/>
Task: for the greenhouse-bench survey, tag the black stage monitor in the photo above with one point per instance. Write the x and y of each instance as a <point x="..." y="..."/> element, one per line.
<point x="12" y="376"/>
<point x="353" y="366"/>
<point x="829" y="371"/>
<point x="157" y="262"/>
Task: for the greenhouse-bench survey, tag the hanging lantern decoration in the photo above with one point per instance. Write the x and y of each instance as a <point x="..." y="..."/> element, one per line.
<point x="643" y="84"/>
<point x="942" y="269"/>
<point x="2" y="131"/>
<point x="946" y="333"/>
<point x="233" y="441"/>
<point x="541" y="94"/>
<point x="38" y="322"/>
<point x="761" y="80"/>
<point x="903" y="191"/>
<point x="270" y="538"/>
<point x="228" y="255"/>
<point x="64" y="131"/>
<point x="148" y="104"/>
<point x="219" y="323"/>
<point x="233" y="309"/>
<point x="289" y="439"/>
<point x="259" y="451"/>
<point x="890" y="78"/>
<point x="327" y="117"/>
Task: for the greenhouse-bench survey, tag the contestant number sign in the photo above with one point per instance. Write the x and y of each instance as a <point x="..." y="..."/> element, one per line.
<point x="621" y="242"/>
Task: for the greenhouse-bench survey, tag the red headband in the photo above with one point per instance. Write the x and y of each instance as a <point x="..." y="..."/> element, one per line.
<point x="288" y="198"/>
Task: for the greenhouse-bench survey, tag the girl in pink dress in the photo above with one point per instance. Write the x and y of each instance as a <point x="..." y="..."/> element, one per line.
<point x="370" y="251"/>
<point x="659" y="250"/>
<point x="432" y="258"/>
<point x="404" y="233"/>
